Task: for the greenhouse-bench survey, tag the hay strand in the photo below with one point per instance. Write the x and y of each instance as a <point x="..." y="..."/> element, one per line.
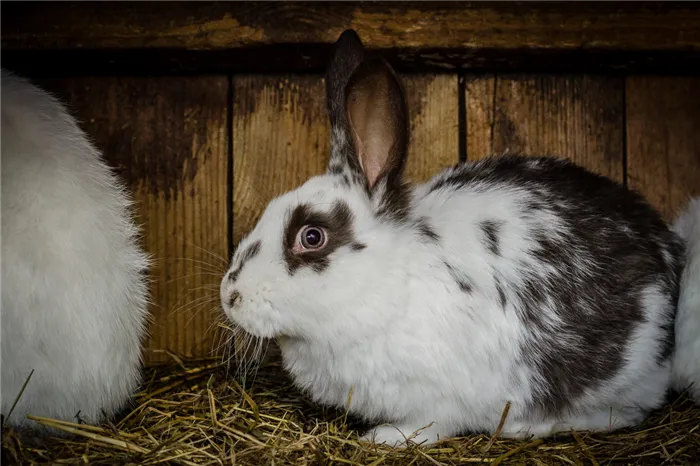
<point x="17" y="398"/>
<point x="193" y="413"/>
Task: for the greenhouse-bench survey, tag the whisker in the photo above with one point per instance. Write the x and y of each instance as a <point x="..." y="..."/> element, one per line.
<point x="195" y="314"/>
<point x="163" y="257"/>
<point x="251" y="183"/>
<point x="243" y="362"/>
<point x="206" y="266"/>
<point x="194" y="265"/>
<point x="219" y="333"/>
<point x="195" y="274"/>
<point x="212" y="254"/>
<point x="221" y="343"/>
<point x="201" y="301"/>
<point x="207" y="289"/>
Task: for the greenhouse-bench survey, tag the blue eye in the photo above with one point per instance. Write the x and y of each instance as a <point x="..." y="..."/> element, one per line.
<point x="312" y="237"/>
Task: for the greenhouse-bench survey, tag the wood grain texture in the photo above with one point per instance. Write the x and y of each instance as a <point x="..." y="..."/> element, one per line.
<point x="167" y="138"/>
<point x="578" y="117"/>
<point x="433" y="103"/>
<point x="280" y="139"/>
<point x="425" y="25"/>
<point x="296" y="35"/>
<point x="663" y="139"/>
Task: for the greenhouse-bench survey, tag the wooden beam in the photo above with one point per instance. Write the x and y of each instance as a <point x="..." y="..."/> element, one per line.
<point x="94" y="37"/>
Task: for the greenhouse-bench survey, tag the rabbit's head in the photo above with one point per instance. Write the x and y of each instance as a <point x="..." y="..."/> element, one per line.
<point x="331" y="243"/>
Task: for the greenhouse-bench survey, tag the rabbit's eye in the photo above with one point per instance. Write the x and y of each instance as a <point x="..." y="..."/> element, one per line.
<point x="312" y="237"/>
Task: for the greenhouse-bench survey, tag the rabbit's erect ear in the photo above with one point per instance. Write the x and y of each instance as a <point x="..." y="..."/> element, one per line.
<point x="349" y="53"/>
<point x="368" y="115"/>
<point x="376" y="111"/>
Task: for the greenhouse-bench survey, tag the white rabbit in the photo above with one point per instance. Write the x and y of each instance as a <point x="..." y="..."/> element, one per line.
<point x="686" y="362"/>
<point x="511" y="279"/>
<point x="74" y="284"/>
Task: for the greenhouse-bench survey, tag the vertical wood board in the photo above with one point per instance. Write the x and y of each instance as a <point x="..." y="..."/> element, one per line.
<point x="280" y="140"/>
<point x="433" y="103"/>
<point x="166" y="137"/>
<point x="578" y="117"/>
<point x="663" y="139"/>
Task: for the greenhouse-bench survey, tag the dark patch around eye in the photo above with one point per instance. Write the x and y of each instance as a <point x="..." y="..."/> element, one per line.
<point x="460" y="278"/>
<point x="339" y="230"/>
<point x="426" y="231"/>
<point x="491" y="229"/>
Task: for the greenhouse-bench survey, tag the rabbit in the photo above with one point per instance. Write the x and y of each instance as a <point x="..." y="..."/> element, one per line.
<point x="686" y="362"/>
<point x="74" y="277"/>
<point x="426" y="309"/>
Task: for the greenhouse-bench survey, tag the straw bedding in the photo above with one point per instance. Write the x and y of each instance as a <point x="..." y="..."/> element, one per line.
<point x="193" y="412"/>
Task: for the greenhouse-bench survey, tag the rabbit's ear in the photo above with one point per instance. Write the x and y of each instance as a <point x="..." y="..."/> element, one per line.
<point x="349" y="53"/>
<point x="369" y="121"/>
<point x="378" y="121"/>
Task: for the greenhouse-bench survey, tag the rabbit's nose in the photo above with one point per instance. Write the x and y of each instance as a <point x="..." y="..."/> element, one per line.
<point x="234" y="299"/>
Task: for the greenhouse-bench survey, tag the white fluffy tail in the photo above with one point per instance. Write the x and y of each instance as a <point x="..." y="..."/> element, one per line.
<point x="686" y="361"/>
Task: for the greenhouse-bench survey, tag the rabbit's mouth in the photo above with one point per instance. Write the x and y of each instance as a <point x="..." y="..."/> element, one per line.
<point x="258" y="319"/>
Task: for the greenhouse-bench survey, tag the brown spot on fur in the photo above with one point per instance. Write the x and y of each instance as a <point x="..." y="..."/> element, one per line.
<point x="460" y="278"/>
<point x="339" y="231"/>
<point x="426" y="231"/>
<point x="501" y="294"/>
<point x="335" y="169"/>
<point x="394" y="205"/>
<point x="491" y="229"/>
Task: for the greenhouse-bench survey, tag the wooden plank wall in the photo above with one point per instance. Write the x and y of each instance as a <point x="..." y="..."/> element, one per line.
<point x="181" y="141"/>
<point x="255" y="37"/>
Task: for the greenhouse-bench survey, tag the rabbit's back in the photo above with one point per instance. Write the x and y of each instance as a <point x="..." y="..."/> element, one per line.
<point x="590" y="269"/>
<point x="74" y="291"/>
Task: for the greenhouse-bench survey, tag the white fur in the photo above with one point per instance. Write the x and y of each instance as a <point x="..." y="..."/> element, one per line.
<point x="73" y="294"/>
<point x="686" y="362"/>
<point x="388" y="331"/>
